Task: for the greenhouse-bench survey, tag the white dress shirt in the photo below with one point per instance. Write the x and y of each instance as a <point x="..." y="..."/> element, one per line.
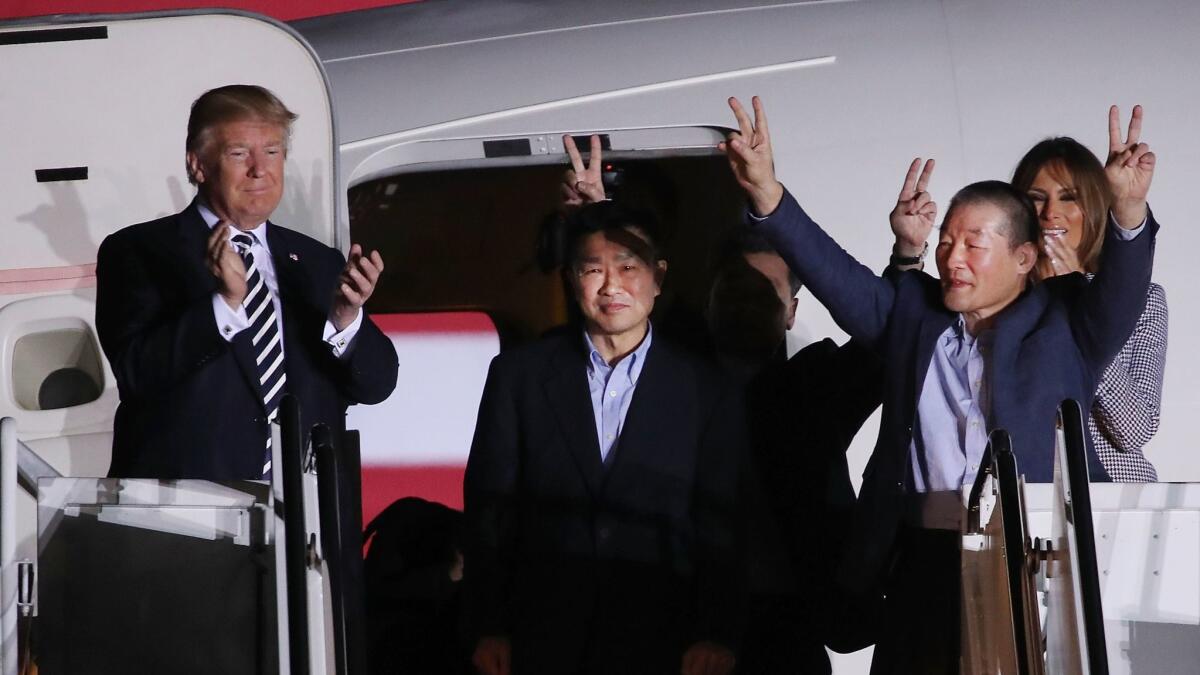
<point x="230" y="322"/>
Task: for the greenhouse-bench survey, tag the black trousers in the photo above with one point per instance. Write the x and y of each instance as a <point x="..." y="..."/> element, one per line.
<point x="921" y="628"/>
<point x="780" y="638"/>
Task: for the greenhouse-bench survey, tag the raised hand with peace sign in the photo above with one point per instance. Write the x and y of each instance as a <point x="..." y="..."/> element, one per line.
<point x="750" y="157"/>
<point x="912" y="219"/>
<point x="1130" y="168"/>
<point x="583" y="185"/>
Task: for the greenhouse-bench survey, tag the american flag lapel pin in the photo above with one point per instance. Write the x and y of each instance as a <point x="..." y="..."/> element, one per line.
<point x="294" y="257"/>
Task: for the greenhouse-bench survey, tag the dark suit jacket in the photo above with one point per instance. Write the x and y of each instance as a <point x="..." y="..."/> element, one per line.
<point x="603" y="568"/>
<point x="1053" y="343"/>
<point x="802" y="415"/>
<point x="190" y="404"/>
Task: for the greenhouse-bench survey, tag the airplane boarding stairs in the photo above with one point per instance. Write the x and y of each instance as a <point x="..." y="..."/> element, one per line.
<point x="1078" y="578"/>
<point x="182" y="576"/>
<point x="194" y="576"/>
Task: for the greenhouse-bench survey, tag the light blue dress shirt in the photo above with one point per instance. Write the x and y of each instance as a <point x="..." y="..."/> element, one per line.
<point x="612" y="389"/>
<point x="230" y="322"/>
<point x="953" y="412"/>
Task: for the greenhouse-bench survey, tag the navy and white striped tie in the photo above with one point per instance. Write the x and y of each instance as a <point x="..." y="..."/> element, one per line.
<point x="266" y="340"/>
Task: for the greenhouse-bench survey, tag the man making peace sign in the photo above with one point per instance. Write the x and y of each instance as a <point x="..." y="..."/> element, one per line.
<point x="977" y="349"/>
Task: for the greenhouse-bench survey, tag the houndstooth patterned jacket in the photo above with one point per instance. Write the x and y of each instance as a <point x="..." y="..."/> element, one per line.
<point x="1125" y="413"/>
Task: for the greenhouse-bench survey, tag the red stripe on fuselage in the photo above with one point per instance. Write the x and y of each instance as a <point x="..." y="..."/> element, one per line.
<point x="382" y="485"/>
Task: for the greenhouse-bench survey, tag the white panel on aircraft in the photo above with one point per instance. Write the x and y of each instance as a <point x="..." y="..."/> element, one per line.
<point x="113" y="105"/>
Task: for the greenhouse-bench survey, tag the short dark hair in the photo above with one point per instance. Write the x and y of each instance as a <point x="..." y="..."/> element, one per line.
<point x="611" y="216"/>
<point x="744" y="240"/>
<point x="232" y="103"/>
<point x="1070" y="163"/>
<point x="1020" y="218"/>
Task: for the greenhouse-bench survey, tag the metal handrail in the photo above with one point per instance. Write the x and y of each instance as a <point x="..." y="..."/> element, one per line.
<point x="295" y="546"/>
<point x="31" y="467"/>
<point x="1071" y="416"/>
<point x="328" y="494"/>
<point x="8" y="544"/>
<point x="19" y="466"/>
<point x="338" y="466"/>
<point x="1026" y="630"/>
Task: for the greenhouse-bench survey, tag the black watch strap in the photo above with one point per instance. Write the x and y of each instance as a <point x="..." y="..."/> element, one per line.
<point x="900" y="260"/>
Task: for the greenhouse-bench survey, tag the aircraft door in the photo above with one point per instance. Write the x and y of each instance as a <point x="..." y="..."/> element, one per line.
<point x="94" y="112"/>
<point x="94" y="116"/>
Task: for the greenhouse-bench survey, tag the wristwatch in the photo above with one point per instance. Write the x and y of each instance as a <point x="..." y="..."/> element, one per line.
<point x="901" y="261"/>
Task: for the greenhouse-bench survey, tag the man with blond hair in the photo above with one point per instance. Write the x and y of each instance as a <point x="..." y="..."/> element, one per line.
<point x="209" y="316"/>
